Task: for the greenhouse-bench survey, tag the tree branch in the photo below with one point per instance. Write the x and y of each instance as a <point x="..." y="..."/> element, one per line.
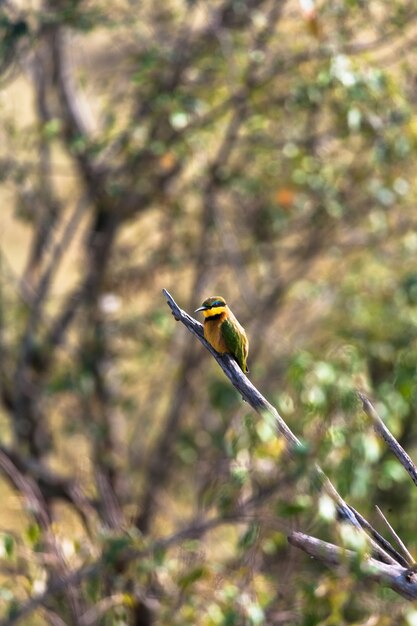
<point x="389" y="438"/>
<point x="400" y="579"/>
<point x="238" y="379"/>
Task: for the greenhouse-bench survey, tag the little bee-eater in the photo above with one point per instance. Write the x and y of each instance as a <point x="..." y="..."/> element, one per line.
<point x="223" y="331"/>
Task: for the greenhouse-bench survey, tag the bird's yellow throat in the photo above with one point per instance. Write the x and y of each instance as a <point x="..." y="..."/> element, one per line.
<point x="217" y="310"/>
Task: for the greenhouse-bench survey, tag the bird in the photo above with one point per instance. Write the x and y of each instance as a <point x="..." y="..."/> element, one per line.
<point x="223" y="331"/>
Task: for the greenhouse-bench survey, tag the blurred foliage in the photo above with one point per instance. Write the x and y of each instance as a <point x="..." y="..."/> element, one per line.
<point x="257" y="149"/>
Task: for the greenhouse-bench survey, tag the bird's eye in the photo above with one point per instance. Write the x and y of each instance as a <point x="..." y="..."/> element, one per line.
<point x="218" y="303"/>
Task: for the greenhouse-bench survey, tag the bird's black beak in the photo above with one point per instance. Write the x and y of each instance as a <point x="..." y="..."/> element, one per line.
<point x="201" y="308"/>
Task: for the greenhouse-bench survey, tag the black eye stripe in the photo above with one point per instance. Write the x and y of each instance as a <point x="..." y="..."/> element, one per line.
<point x="218" y="303"/>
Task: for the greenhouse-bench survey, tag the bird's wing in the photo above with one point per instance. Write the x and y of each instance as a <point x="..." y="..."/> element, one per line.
<point x="235" y="342"/>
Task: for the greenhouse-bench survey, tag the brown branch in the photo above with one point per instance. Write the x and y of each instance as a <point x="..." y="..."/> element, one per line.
<point x="48" y="206"/>
<point x="380" y="540"/>
<point x="408" y="557"/>
<point x="389" y="439"/>
<point x="95" y="355"/>
<point x="73" y="113"/>
<point x="237" y="378"/>
<point x="33" y="360"/>
<point x="400" y="579"/>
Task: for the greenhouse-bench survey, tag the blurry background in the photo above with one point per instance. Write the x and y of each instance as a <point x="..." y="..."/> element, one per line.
<point x="260" y="150"/>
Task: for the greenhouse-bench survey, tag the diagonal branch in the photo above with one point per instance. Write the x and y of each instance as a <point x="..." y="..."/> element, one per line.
<point x="389" y="438"/>
<point x="408" y="557"/>
<point x="237" y="378"/>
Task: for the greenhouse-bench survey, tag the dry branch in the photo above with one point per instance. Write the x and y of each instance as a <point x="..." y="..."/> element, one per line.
<point x="235" y="375"/>
<point x="401" y="580"/>
<point x="407" y="555"/>
<point x="389" y="438"/>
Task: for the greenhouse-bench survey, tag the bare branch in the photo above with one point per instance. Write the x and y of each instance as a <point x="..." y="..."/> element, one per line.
<point x="236" y="376"/>
<point x="390" y="556"/>
<point x="389" y="438"/>
<point x="398" y="539"/>
<point x="381" y="541"/>
<point x="398" y="578"/>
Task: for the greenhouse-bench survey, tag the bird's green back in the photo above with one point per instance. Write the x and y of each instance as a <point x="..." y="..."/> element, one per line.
<point x="236" y="342"/>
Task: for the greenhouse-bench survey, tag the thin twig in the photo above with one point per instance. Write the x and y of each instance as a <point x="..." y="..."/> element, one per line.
<point x="398" y="539"/>
<point x="389" y="438"/>
<point x="381" y="541"/>
<point x="391" y="556"/>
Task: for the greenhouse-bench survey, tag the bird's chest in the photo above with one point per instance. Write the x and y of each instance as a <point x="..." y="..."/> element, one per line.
<point x="213" y="334"/>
